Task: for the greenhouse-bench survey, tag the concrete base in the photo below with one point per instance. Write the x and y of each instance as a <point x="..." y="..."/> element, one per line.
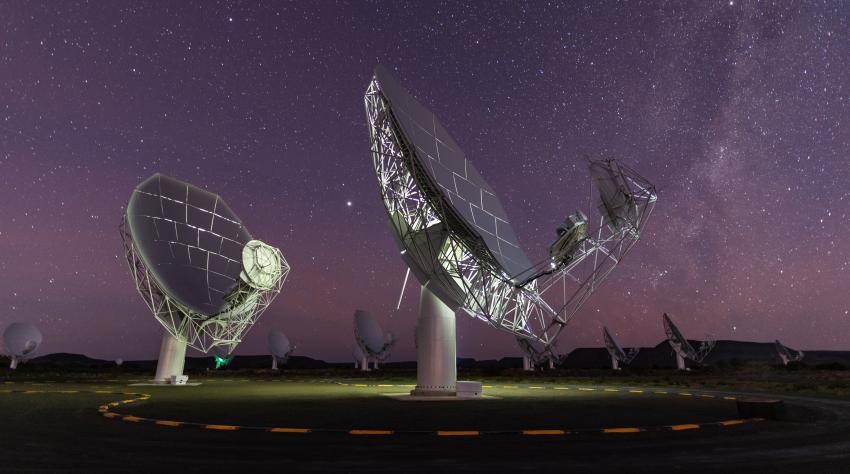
<point x="469" y="389"/>
<point x="410" y="397"/>
<point x="172" y="358"/>
<point x="418" y="392"/>
<point x="179" y="380"/>
<point x="157" y="384"/>
<point x="436" y="348"/>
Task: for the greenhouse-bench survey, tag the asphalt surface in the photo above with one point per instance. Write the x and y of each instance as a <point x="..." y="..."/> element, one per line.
<point x="47" y="431"/>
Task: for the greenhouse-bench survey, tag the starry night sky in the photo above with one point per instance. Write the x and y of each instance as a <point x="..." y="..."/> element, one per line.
<point x="738" y="111"/>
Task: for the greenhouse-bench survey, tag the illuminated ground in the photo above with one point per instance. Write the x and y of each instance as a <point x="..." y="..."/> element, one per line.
<point x="50" y="430"/>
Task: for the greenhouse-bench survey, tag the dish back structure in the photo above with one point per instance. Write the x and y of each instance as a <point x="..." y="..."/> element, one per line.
<point x="454" y="234"/>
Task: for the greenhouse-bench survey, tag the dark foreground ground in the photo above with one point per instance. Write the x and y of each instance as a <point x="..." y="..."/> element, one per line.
<point x="43" y="430"/>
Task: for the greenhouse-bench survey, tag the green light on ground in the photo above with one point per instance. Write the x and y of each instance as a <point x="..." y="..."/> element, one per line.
<point x="221" y="362"/>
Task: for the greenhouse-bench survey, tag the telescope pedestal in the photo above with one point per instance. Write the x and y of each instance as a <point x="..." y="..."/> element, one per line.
<point x="172" y="357"/>
<point x="436" y="348"/>
<point x="680" y="362"/>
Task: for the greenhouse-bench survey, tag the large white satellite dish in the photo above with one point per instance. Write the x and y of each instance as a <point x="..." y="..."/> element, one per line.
<point x="279" y="347"/>
<point x="456" y="238"/>
<point x="198" y="269"/>
<point x="21" y="341"/>
<point x="682" y="347"/>
<point x="374" y="345"/>
<point x="618" y="354"/>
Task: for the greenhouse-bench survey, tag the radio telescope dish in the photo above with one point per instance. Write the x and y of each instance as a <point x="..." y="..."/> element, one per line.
<point x="786" y="354"/>
<point x="371" y="340"/>
<point x="456" y="238"/>
<point x="682" y="347"/>
<point x="119" y="362"/>
<point x="21" y="341"/>
<point x="279" y="347"/>
<point x="618" y="355"/>
<point x="198" y="269"/>
<point x="535" y="354"/>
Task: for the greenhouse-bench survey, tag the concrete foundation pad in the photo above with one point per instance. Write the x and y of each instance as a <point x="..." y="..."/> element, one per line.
<point x="407" y="397"/>
<point x="159" y="384"/>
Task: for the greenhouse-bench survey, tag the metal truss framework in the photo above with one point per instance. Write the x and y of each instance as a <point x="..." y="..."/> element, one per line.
<point x="202" y="332"/>
<point x="535" y="307"/>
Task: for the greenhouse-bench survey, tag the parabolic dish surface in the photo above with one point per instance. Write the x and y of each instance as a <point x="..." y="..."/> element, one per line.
<point x="451" y="178"/>
<point x="189" y="239"/>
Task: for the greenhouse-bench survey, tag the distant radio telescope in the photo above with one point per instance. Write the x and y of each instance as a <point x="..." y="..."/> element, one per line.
<point x="535" y="354"/>
<point x="786" y="354"/>
<point x="279" y="347"/>
<point x="618" y="355"/>
<point x="198" y="269"/>
<point x="373" y="344"/>
<point x="455" y="237"/>
<point x="682" y="347"/>
<point x="21" y="341"/>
